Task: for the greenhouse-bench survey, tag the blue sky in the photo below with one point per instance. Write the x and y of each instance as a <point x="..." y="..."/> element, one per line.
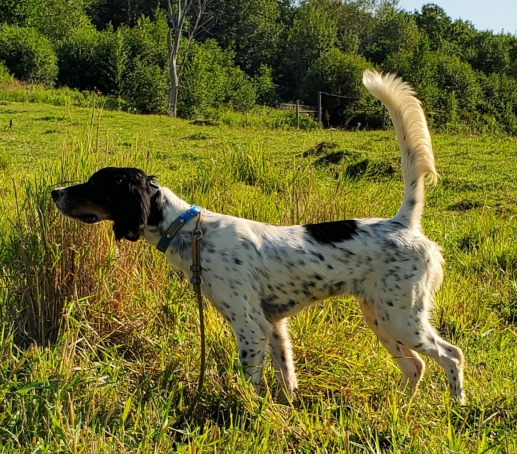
<point x="494" y="15"/>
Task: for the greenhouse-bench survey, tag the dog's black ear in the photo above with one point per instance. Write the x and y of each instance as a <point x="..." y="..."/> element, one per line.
<point x="131" y="208"/>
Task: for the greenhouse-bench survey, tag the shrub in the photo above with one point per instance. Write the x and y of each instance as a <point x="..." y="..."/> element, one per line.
<point x="147" y="41"/>
<point x="210" y="79"/>
<point x="27" y="55"/>
<point x="459" y="92"/>
<point x="417" y="67"/>
<point x="265" y="87"/>
<point x="92" y="60"/>
<point x="146" y="88"/>
<point x="5" y="76"/>
<point x="340" y="74"/>
<point x="499" y="110"/>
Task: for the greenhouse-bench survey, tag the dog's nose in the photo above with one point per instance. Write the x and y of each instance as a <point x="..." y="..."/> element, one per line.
<point x="56" y="194"/>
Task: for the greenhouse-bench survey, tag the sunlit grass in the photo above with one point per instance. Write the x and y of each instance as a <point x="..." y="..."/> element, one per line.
<point x="99" y="346"/>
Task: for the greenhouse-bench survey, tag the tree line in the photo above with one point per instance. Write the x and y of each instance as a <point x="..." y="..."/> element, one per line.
<point x="249" y="52"/>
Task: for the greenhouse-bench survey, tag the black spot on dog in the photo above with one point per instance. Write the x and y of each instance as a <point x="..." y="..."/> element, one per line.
<point x="318" y="255"/>
<point x="332" y="232"/>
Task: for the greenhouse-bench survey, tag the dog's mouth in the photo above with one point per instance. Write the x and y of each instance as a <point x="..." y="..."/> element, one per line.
<point x="88" y="218"/>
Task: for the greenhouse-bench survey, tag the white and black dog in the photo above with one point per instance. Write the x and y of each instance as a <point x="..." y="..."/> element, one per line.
<point x="259" y="274"/>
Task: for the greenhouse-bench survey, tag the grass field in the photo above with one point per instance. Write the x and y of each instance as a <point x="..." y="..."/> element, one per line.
<point x="99" y="344"/>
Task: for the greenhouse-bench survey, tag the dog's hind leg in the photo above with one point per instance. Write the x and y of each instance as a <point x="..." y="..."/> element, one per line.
<point x="282" y="356"/>
<point x="411" y="365"/>
<point x="411" y="329"/>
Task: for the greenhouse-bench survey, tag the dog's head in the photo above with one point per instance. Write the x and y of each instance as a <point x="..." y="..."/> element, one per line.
<point x="122" y="195"/>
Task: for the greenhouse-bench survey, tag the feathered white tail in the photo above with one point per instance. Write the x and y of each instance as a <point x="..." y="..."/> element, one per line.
<point x="414" y="140"/>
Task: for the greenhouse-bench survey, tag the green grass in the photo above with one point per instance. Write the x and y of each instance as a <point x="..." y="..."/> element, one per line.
<point x="114" y="356"/>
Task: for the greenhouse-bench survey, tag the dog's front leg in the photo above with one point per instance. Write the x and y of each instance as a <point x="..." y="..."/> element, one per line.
<point x="252" y="332"/>
<point x="252" y="343"/>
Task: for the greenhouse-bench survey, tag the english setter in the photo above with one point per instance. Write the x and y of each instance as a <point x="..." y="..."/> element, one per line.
<point x="259" y="274"/>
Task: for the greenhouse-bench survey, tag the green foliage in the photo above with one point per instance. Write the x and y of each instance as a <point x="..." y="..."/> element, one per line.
<point x="62" y="96"/>
<point x="92" y="60"/>
<point x="57" y="19"/>
<point x="459" y="93"/>
<point x="418" y="68"/>
<point x="5" y="76"/>
<point x="29" y="56"/>
<point x="19" y="12"/>
<point x="313" y="32"/>
<point x="500" y="112"/>
<point x="264" y="86"/>
<point x="340" y="74"/>
<point x="146" y="88"/>
<point x="120" y="13"/>
<point x="396" y="31"/>
<point x="492" y="52"/>
<point x="265" y="51"/>
<point x="147" y="41"/>
<point x="250" y="28"/>
<point x="435" y="23"/>
<point x="210" y="80"/>
<point x="145" y="82"/>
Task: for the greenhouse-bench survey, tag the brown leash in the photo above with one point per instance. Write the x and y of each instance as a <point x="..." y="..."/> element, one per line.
<point x="196" y="283"/>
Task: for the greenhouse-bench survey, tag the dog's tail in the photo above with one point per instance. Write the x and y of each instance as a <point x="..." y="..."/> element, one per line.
<point x="414" y="140"/>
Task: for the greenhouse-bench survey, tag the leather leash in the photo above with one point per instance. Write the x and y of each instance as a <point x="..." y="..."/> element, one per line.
<point x="195" y="280"/>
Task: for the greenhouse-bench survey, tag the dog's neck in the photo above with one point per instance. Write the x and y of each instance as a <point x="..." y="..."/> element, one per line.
<point x="165" y="208"/>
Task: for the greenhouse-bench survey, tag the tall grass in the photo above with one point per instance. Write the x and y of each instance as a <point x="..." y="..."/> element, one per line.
<point x="99" y="349"/>
<point x="13" y="91"/>
<point x="262" y="117"/>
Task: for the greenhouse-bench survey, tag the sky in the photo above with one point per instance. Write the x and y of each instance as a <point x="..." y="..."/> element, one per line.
<point x="494" y="15"/>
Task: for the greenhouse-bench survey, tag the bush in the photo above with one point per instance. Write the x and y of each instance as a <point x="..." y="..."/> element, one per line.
<point x="5" y="76"/>
<point x="147" y="41"/>
<point x="92" y="60"/>
<point x="265" y="87"/>
<point x="27" y="55"/>
<point x="499" y="111"/>
<point x="340" y="74"/>
<point x="459" y="92"/>
<point x="210" y="80"/>
<point x="146" y="88"/>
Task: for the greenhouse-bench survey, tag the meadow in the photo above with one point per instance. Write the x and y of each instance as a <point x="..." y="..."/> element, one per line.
<point x="99" y="343"/>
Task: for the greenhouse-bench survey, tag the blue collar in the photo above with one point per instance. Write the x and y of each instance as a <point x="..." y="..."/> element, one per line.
<point x="179" y="222"/>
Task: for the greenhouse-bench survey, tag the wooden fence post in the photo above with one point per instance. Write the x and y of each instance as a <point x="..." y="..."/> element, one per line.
<point x="319" y="107"/>
<point x="297" y="114"/>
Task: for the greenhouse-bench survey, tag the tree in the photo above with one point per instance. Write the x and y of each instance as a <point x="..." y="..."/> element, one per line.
<point x="18" y="12"/>
<point x="250" y="28"/>
<point x="313" y="32"/>
<point x="396" y="30"/>
<point x="435" y="23"/>
<point x="122" y="12"/>
<point x="340" y="74"/>
<point x="185" y="12"/>
<point x="28" y="55"/>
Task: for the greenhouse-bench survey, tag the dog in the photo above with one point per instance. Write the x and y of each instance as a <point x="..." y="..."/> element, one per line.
<point x="257" y="275"/>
